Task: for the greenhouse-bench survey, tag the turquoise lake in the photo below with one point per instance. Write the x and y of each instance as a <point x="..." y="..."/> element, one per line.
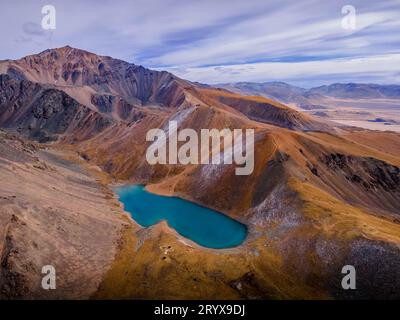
<point x="204" y="226"/>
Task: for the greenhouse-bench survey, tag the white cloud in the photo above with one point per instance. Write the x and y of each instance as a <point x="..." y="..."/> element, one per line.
<point x="244" y="41"/>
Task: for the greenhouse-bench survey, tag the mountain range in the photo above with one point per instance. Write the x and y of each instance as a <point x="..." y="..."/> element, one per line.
<point x="309" y="98"/>
<point x="75" y="123"/>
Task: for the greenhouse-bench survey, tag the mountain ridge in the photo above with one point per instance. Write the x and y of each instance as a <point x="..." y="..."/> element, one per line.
<point x="109" y="85"/>
<point x="308" y="98"/>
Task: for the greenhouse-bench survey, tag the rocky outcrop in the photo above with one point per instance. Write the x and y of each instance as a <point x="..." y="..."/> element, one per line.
<point x="45" y="114"/>
<point x="103" y="102"/>
<point x="369" y="172"/>
<point x="117" y="107"/>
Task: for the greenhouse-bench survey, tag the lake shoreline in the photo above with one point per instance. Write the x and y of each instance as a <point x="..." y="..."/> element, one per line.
<point x="204" y="226"/>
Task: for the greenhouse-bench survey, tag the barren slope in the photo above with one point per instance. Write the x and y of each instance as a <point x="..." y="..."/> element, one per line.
<point x="52" y="213"/>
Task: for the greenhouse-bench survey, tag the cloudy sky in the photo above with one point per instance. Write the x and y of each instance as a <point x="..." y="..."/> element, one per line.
<point x="300" y="42"/>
